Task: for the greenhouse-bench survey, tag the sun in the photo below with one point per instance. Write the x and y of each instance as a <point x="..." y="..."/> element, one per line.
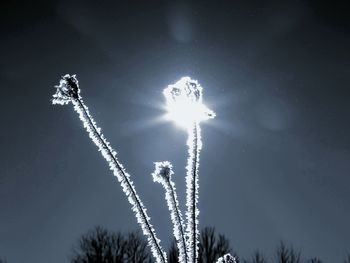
<point x="184" y="103"/>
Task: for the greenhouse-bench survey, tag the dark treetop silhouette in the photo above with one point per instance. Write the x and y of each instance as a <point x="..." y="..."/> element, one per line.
<point x="100" y="245"/>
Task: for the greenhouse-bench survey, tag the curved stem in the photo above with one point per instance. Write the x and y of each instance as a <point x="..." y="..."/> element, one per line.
<point x="123" y="177"/>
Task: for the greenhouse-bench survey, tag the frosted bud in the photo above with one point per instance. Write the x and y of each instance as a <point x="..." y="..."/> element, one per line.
<point x="162" y="171"/>
<point x="67" y="90"/>
<point x="227" y="258"/>
<point x="185" y="89"/>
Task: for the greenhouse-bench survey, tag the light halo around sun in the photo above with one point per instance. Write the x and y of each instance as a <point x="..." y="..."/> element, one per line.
<point x="184" y="103"/>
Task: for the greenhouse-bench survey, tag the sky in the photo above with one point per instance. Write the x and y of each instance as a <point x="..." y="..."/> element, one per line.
<point x="275" y="161"/>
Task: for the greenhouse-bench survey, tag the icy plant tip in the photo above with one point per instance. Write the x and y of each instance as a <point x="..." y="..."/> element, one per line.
<point x="67" y="90"/>
<point x="162" y="171"/>
<point x="228" y="258"/>
<point x="184" y="103"/>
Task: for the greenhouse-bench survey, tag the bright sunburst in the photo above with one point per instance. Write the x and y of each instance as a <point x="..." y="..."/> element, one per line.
<point x="184" y="103"/>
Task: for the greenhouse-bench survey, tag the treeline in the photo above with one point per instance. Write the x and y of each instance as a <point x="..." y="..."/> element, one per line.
<point x="102" y="246"/>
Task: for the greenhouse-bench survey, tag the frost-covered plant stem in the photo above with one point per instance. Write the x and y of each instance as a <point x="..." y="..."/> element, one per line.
<point x="179" y="228"/>
<point x="194" y="146"/>
<point x="123" y="178"/>
<point x="162" y="174"/>
<point x="185" y="107"/>
<point x="68" y="91"/>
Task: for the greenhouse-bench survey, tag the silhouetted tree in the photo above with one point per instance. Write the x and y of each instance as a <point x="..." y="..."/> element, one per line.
<point x="102" y="246"/>
<point x="173" y="254"/>
<point x="211" y="247"/>
<point x="287" y="255"/>
<point x="136" y="249"/>
<point x="257" y="257"/>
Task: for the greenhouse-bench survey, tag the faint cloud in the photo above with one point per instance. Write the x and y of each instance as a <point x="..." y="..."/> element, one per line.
<point x="181" y="22"/>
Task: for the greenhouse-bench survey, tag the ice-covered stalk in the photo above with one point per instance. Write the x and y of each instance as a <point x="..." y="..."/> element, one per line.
<point x="192" y="188"/>
<point x="185" y="107"/>
<point x="228" y="258"/>
<point x="68" y="91"/>
<point x="162" y="174"/>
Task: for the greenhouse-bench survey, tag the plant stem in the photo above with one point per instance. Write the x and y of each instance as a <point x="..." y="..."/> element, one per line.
<point x="173" y="205"/>
<point x="194" y="146"/>
<point x="123" y="177"/>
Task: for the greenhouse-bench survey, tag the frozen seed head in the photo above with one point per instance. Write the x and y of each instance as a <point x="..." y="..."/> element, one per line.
<point x="67" y="90"/>
<point x="162" y="171"/>
<point x="227" y="258"/>
<point x="184" y="103"/>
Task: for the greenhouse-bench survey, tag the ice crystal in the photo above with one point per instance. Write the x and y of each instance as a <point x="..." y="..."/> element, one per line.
<point x="67" y="91"/>
<point x="162" y="174"/>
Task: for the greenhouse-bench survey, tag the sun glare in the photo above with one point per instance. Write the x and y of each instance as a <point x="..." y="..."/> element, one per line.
<point x="184" y="103"/>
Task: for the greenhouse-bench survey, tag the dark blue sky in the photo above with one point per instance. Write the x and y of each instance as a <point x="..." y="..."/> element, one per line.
<point x="275" y="161"/>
